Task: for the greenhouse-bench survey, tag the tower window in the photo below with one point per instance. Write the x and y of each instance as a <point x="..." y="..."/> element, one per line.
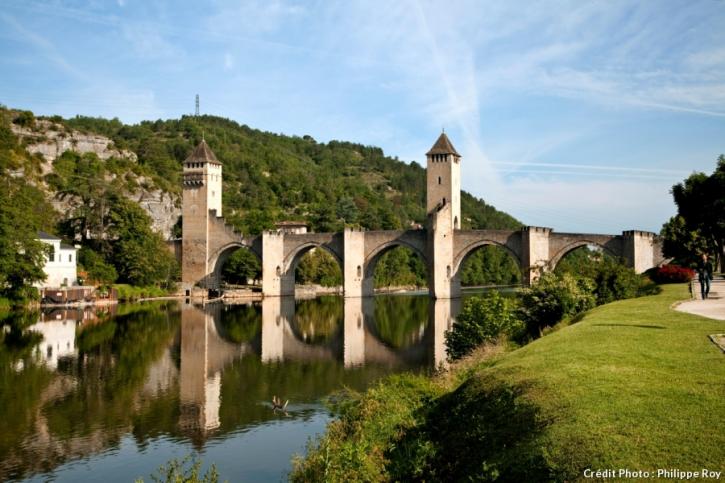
<point x="439" y="180"/>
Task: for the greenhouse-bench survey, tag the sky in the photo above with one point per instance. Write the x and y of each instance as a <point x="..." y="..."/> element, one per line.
<point x="574" y="115"/>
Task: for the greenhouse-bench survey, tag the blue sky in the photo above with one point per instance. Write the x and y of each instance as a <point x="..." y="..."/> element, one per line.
<point x="575" y="115"/>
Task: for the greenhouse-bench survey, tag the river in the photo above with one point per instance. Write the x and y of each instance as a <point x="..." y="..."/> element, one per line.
<point x="110" y="395"/>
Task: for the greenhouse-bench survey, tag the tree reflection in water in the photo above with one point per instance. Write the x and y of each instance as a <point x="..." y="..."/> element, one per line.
<point x="183" y="374"/>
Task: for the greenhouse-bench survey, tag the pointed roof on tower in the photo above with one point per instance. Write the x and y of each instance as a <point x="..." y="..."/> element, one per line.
<point x="202" y="153"/>
<point x="443" y="146"/>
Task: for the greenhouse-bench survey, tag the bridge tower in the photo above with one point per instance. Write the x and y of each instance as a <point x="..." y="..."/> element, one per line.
<point x="444" y="179"/>
<point x="202" y="199"/>
<point x="444" y="215"/>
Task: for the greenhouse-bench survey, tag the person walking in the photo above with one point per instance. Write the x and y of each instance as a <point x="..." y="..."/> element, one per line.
<point x="704" y="274"/>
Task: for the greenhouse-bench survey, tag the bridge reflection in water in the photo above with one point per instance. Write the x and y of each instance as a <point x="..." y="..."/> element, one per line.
<point x="153" y="378"/>
<point x="362" y="338"/>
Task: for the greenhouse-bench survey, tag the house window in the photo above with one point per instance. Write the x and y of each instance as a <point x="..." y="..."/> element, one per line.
<point x="70" y="258"/>
<point x="51" y="256"/>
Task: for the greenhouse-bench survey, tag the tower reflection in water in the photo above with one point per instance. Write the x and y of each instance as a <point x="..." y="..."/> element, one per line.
<point x="362" y="332"/>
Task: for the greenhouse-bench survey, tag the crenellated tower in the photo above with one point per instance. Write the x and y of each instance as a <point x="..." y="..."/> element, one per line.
<point x="444" y="179"/>
<point x="202" y="198"/>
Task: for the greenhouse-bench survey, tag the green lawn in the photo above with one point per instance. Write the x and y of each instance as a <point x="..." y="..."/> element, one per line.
<point x="634" y="384"/>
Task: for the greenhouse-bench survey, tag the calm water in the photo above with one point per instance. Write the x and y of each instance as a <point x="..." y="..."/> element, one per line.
<point x="110" y="395"/>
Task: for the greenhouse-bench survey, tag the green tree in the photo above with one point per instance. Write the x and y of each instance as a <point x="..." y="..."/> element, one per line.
<point x="482" y="319"/>
<point x="139" y="254"/>
<point x="81" y="180"/>
<point x="22" y="255"/>
<point x="681" y="243"/>
<point x="96" y="267"/>
<point x="318" y="267"/>
<point x="555" y="297"/>
<point x="23" y="212"/>
<point x="489" y="265"/>
<point x="242" y="266"/>
<point x="700" y="201"/>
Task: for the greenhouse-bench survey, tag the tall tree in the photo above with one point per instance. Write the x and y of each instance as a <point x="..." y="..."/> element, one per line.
<point x="23" y="212"/>
<point x="139" y="254"/>
<point x="700" y="201"/>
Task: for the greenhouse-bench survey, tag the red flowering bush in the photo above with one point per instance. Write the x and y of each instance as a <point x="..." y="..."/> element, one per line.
<point x="672" y="274"/>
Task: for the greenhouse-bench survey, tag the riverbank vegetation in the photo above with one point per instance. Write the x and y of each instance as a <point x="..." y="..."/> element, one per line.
<point x="633" y="384"/>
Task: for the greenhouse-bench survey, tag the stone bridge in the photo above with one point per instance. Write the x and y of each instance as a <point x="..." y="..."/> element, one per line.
<point x="207" y="241"/>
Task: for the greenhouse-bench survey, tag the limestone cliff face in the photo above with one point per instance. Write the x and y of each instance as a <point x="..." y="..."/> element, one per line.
<point x="50" y="140"/>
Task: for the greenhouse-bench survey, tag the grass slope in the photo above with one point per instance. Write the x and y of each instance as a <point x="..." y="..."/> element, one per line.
<point x="635" y="383"/>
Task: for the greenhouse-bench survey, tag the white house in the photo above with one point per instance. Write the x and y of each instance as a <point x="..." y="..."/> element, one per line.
<point x="60" y="265"/>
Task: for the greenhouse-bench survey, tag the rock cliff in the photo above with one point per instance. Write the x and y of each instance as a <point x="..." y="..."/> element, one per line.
<point x="51" y="140"/>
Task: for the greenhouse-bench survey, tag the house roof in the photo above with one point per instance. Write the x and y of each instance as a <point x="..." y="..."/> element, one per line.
<point x="65" y="246"/>
<point x="42" y="235"/>
<point x="202" y="153"/>
<point x="443" y="146"/>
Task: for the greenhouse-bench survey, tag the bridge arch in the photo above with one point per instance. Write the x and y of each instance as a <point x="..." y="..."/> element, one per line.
<point x="468" y="250"/>
<point x="220" y="257"/>
<point x="373" y="257"/>
<point x="553" y="261"/>
<point x="294" y="257"/>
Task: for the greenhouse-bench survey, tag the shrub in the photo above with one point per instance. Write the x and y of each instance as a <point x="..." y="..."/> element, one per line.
<point x="25" y="119"/>
<point x="482" y="319"/>
<point x="130" y="292"/>
<point x="555" y="297"/>
<point x="615" y="281"/>
<point x="368" y="425"/>
<point x="188" y="470"/>
<point x="672" y="274"/>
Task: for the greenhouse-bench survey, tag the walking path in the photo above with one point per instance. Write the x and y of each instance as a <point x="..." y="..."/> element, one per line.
<point x="713" y="307"/>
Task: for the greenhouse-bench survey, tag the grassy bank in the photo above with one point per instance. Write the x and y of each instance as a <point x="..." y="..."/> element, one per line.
<point x="633" y="385"/>
<point x="130" y="292"/>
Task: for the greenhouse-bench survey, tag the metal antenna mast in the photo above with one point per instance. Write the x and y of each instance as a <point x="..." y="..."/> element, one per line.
<point x="197" y="105"/>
